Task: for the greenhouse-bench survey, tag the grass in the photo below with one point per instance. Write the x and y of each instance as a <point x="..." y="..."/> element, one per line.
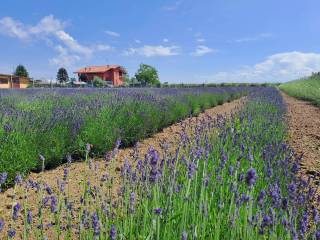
<point x="305" y="89"/>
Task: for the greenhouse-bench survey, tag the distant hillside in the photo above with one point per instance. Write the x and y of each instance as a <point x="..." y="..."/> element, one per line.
<point x="306" y="89"/>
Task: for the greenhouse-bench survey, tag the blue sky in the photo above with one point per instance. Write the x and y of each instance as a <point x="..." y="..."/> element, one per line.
<point x="186" y="40"/>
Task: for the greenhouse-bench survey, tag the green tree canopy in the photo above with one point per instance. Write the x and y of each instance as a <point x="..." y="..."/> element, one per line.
<point x="147" y="74"/>
<point x="21" y="71"/>
<point x="62" y="75"/>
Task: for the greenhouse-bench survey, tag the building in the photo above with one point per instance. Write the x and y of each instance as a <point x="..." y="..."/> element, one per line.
<point x="112" y="74"/>
<point x="12" y="81"/>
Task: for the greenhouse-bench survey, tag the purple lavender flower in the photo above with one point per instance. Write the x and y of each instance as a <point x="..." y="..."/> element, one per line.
<point x="54" y="204"/>
<point x="88" y="147"/>
<point x="85" y="219"/>
<point x="158" y="211"/>
<point x="113" y="232"/>
<point x="45" y="201"/>
<point x="266" y="221"/>
<point x="29" y="217"/>
<point x="251" y="177"/>
<point x="184" y="235"/>
<point x="69" y="159"/>
<point x="261" y="196"/>
<point x="118" y="143"/>
<point x="132" y="200"/>
<point x="1" y="225"/>
<point x="317" y="235"/>
<point x="95" y="224"/>
<point x="11" y="233"/>
<point x="230" y="170"/>
<point x="191" y="169"/>
<point x="15" y="213"/>
<point x="316" y="216"/>
<point x="153" y="175"/>
<point x="284" y="222"/>
<point x="240" y="177"/>
<point x="18" y="179"/>
<point x="65" y="174"/>
<point x="3" y="177"/>
<point x="48" y="189"/>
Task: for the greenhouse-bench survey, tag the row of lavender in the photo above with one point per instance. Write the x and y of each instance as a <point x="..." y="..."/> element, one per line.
<point x="38" y="124"/>
<point x="228" y="179"/>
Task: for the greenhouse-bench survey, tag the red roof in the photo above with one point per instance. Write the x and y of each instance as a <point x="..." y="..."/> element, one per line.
<point x="98" y="69"/>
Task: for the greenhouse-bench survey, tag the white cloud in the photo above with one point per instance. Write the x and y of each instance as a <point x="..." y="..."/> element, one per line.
<point x="12" y="28"/>
<point x="200" y="40"/>
<point x="165" y="40"/>
<point x="103" y="47"/>
<point x="112" y="34"/>
<point x="153" y="51"/>
<point x="51" y="30"/>
<point x="254" y="38"/>
<point x="279" y="67"/>
<point x="64" y="58"/>
<point x="73" y="44"/>
<point x="48" y="24"/>
<point x="137" y="41"/>
<point x="202" y="50"/>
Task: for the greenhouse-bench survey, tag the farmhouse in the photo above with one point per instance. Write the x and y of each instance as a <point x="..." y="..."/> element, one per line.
<point x="12" y="81"/>
<point x="112" y="74"/>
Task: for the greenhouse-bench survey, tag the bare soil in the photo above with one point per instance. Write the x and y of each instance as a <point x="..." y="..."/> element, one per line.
<point x="80" y="171"/>
<point x="304" y="134"/>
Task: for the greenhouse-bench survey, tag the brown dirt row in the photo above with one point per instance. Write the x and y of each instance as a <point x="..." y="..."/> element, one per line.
<point x="304" y="135"/>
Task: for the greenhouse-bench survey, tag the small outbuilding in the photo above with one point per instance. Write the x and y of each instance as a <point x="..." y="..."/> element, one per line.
<point x="12" y="81"/>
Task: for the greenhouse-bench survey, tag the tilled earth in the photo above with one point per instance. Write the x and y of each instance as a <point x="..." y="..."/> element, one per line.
<point x="304" y="134"/>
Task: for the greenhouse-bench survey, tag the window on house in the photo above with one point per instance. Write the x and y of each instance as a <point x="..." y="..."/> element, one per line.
<point x="3" y="80"/>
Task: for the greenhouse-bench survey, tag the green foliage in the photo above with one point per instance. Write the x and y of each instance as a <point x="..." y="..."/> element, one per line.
<point x="21" y="71"/>
<point x="98" y="82"/>
<point x="147" y="75"/>
<point x="305" y="89"/>
<point x="62" y="75"/>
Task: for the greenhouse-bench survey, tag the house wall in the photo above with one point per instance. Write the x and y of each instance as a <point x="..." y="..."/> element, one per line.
<point x="117" y="77"/>
<point x="7" y="81"/>
<point x="24" y="82"/>
<point x="2" y="85"/>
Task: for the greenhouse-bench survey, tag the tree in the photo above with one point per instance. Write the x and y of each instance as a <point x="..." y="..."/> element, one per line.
<point x="147" y="74"/>
<point x="21" y="71"/>
<point x="126" y="80"/>
<point x="62" y="75"/>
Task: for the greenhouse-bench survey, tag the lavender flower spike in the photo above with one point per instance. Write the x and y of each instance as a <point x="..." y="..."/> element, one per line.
<point x="113" y="232"/>
<point x="251" y="177"/>
<point x="1" y="225"/>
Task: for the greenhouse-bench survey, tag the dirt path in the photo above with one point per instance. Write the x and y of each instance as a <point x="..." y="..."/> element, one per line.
<point x="79" y="172"/>
<point x="304" y="134"/>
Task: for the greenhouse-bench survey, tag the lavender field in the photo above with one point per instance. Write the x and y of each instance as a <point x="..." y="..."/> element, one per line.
<point x="229" y="177"/>
<point x="40" y="124"/>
